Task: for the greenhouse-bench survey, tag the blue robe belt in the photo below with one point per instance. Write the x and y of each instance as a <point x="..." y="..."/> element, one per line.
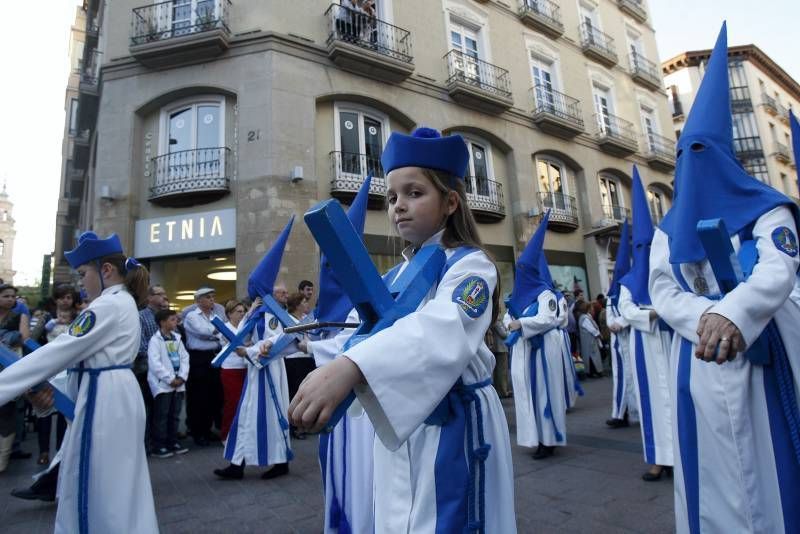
<point x="86" y="441"/>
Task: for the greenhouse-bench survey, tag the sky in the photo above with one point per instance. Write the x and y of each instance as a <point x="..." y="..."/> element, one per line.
<point x="36" y="72"/>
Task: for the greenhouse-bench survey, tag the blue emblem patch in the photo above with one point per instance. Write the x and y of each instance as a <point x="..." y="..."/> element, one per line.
<point x="83" y="324"/>
<point x="785" y="240"/>
<point x="273" y="323"/>
<point x="472" y="295"/>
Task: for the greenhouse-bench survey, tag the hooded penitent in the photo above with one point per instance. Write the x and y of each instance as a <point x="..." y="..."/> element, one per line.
<point x="333" y="304"/>
<point x="531" y="275"/>
<point x="710" y="182"/>
<point x="622" y="265"/>
<point x="643" y="230"/>
<point x="262" y="279"/>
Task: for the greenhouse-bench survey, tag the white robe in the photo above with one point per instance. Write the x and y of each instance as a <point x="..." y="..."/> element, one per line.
<point x="120" y="498"/>
<point x="735" y="466"/>
<point x="572" y="386"/>
<point x="589" y="334"/>
<point x="540" y="401"/>
<point x="259" y="433"/>
<point x="623" y="394"/>
<point x="350" y="455"/>
<point x="409" y="369"/>
<point x="649" y="351"/>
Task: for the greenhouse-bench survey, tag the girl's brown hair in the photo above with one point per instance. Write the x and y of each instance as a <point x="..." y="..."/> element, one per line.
<point x="294" y="301"/>
<point x="137" y="279"/>
<point x="460" y="229"/>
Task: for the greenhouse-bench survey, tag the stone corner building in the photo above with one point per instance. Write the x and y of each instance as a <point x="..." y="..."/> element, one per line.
<point x="208" y="123"/>
<point x="7" y="234"/>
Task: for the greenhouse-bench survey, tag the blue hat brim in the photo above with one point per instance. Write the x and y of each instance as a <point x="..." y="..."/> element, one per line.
<point x="90" y="247"/>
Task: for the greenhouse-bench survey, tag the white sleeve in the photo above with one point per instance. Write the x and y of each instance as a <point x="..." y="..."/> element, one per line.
<point x="633" y="314"/>
<point x="613" y="318"/>
<point x="196" y="325"/>
<point x="156" y="350"/>
<point x="680" y="309"/>
<point x="589" y="325"/>
<point x="63" y="352"/>
<point x="752" y="304"/>
<point x="546" y="317"/>
<point x="410" y="367"/>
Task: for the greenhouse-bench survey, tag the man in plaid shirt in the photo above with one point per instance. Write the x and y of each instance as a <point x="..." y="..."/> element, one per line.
<point x="156" y="301"/>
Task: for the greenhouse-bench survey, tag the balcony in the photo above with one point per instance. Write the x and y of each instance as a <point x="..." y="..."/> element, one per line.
<point x="174" y="32"/>
<point x="543" y="16"/>
<point x="748" y="147"/>
<point x="90" y="73"/>
<point x="645" y="72"/>
<point x="634" y="8"/>
<point x="660" y="153"/>
<point x="597" y="45"/>
<point x="782" y="153"/>
<point x="783" y="114"/>
<point x="477" y="84"/>
<point x="556" y="113"/>
<point x="348" y="170"/>
<point x="770" y="106"/>
<point x="612" y="212"/>
<point x="190" y="177"/>
<point x="368" y="46"/>
<point x="81" y="137"/>
<point x="563" y="211"/>
<point x="740" y="99"/>
<point x="677" y="110"/>
<point x="615" y="136"/>
<point x="485" y="199"/>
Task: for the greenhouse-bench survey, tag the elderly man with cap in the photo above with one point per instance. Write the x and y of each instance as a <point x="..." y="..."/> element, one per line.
<point x="203" y="389"/>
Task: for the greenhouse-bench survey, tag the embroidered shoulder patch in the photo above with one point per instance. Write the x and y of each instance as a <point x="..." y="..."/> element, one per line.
<point x="83" y="324"/>
<point x="472" y="295"/>
<point x="273" y="323"/>
<point x="785" y="240"/>
<point x="552" y="305"/>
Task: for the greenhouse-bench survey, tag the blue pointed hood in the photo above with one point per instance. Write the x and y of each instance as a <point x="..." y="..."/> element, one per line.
<point x="706" y="162"/>
<point x="795" y="142"/>
<point x="623" y="263"/>
<point x="643" y="230"/>
<point x="531" y="275"/>
<point x="262" y="280"/>
<point x="333" y="304"/>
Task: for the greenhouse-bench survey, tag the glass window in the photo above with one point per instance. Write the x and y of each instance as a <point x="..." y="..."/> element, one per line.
<point x="478" y="180"/>
<point x="194" y="144"/>
<point x="73" y="115"/>
<point x="465" y="40"/>
<point x="602" y="107"/>
<point x="656" y="201"/>
<point x="360" y="142"/>
<point x="611" y="197"/>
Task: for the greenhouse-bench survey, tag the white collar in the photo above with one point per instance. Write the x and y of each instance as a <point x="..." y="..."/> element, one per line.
<point x="410" y="251"/>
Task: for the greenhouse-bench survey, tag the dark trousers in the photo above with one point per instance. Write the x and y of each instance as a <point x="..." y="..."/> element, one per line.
<point x="44" y="426"/>
<point x="147" y="397"/>
<point x="166" y="412"/>
<point x="203" y="394"/>
<point x="296" y="371"/>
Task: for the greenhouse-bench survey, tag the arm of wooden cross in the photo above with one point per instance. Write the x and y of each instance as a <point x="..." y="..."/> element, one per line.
<point x="728" y="271"/>
<point x="234" y="340"/>
<point x="61" y="401"/>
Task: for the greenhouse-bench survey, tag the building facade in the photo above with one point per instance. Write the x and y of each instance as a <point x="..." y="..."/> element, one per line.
<point x="7" y="233"/>
<point x="217" y="121"/>
<point x="762" y="94"/>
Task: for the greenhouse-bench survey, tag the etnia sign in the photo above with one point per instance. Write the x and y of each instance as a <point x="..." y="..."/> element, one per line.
<point x="185" y="234"/>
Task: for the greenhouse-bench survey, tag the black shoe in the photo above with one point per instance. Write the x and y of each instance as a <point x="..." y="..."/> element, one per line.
<point x="277" y="470"/>
<point x="232" y="472"/>
<point x="543" y="451"/>
<point x="617" y="423"/>
<point x="201" y="442"/>
<point x="213" y="437"/>
<point x="20" y="455"/>
<point x="30" y="494"/>
<point x="650" y="477"/>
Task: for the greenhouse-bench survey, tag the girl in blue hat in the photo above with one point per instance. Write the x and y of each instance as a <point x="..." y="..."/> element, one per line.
<point x="104" y="484"/>
<point x="450" y="471"/>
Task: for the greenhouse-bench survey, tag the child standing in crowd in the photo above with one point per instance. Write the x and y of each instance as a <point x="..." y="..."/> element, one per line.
<point x="103" y="481"/>
<point x="440" y="465"/>
<point x="591" y="340"/>
<point x="167" y="371"/>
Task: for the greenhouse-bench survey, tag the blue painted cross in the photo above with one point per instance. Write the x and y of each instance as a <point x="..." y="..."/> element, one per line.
<point x="61" y="401"/>
<point x="378" y="306"/>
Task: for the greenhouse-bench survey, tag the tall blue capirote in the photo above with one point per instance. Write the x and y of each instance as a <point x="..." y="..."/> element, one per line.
<point x="643" y="230"/>
<point x="529" y="277"/>
<point x="710" y="182"/>
<point x="262" y="280"/>
<point x="623" y="263"/>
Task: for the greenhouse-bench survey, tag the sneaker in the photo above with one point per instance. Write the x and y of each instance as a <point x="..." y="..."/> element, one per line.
<point x="177" y="448"/>
<point x="162" y="452"/>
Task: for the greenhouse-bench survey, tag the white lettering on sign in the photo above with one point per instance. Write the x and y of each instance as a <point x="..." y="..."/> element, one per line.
<point x="184" y="234"/>
<point x="170" y="226"/>
<point x="216" y="226"/>
<point x="154" y="231"/>
<point x="202" y="226"/>
<point x="186" y="228"/>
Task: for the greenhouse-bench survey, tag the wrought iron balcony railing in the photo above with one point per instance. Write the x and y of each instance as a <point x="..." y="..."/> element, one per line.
<point x="748" y="147"/>
<point x="660" y="146"/>
<point x="473" y="71"/>
<point x="549" y="13"/>
<point x="90" y="69"/>
<point x="348" y="170"/>
<point x="370" y="33"/>
<point x="633" y="8"/>
<point x="770" y="105"/>
<point x="616" y="213"/>
<point x="645" y="69"/>
<point x="176" y="18"/>
<point x="191" y="171"/>
<point x="782" y="153"/>
<point x="485" y="195"/>
<point x="551" y="102"/>
<point x="740" y="99"/>
<point x="614" y="127"/>
<point x="593" y="39"/>
<point x="564" y="208"/>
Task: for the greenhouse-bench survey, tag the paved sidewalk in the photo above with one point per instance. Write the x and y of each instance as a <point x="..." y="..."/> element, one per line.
<point x="593" y="485"/>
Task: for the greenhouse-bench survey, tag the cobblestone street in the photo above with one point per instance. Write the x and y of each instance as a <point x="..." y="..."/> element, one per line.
<point x="593" y="485"/>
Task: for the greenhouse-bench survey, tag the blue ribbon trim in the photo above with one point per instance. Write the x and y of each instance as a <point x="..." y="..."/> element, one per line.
<point x="687" y="437"/>
<point x="620" y="379"/>
<point x="644" y="397"/>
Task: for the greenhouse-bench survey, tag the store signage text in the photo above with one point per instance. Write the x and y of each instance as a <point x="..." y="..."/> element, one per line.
<point x="183" y="234"/>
